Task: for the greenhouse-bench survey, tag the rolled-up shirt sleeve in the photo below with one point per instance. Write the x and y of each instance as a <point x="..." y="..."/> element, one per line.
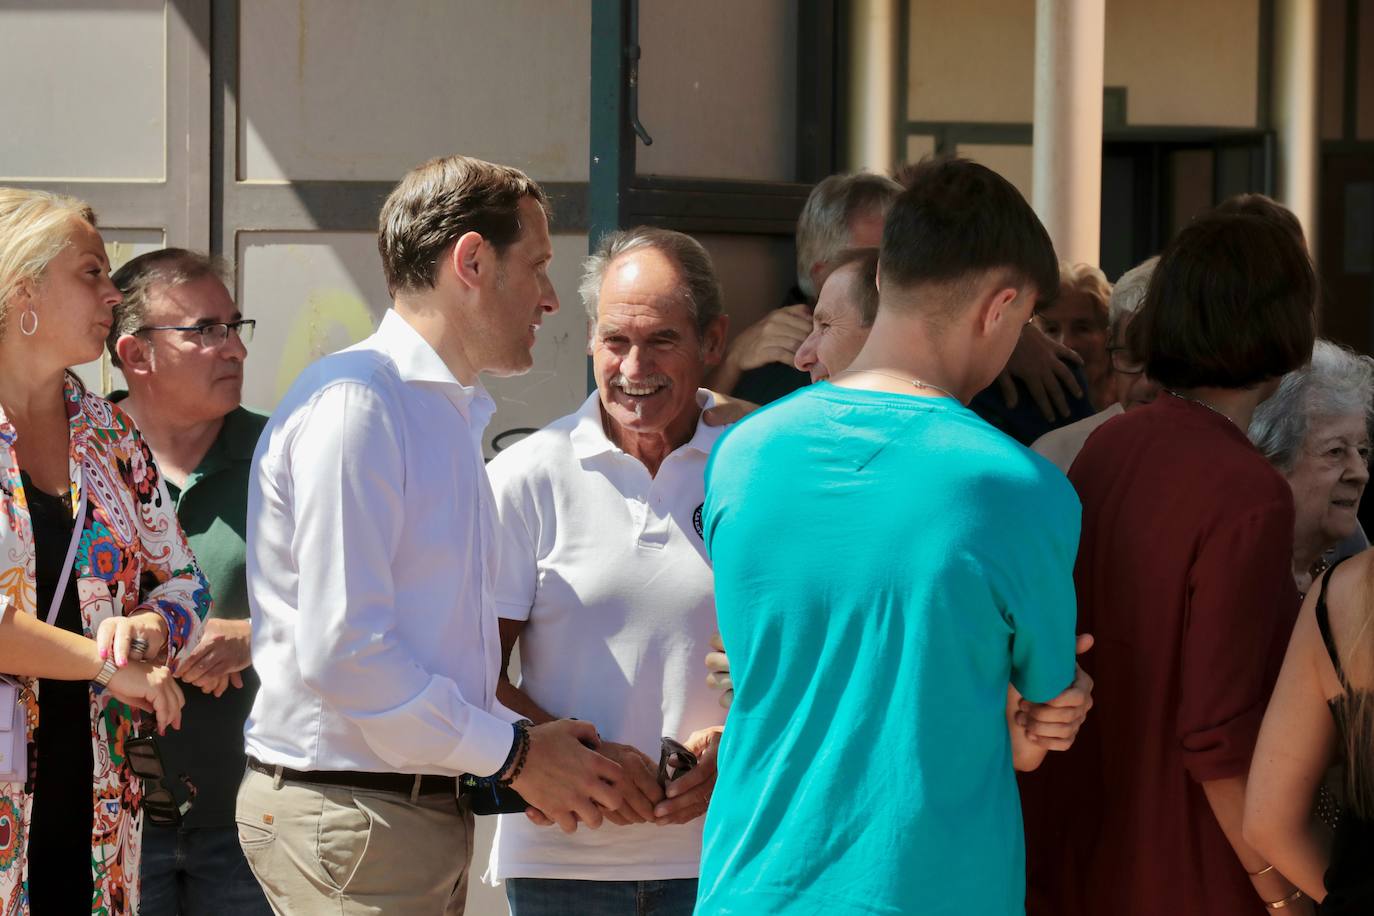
<point x="348" y="470"/>
<point x="1242" y="606"/>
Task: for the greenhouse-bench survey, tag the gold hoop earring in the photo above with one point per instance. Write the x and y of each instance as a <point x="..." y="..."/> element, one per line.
<point x="23" y="328"/>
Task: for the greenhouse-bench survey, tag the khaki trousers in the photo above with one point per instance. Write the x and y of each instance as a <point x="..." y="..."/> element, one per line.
<point x="335" y="850"/>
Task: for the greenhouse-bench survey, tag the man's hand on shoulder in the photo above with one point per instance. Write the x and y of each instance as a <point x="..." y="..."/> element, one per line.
<point x="727" y="410"/>
<point x="774" y="338"/>
<point x="1039" y="363"/>
<point x="225" y="648"/>
<point x="564" y="780"/>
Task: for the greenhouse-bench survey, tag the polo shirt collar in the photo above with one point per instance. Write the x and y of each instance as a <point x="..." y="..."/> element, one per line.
<point x="237" y="439"/>
<point x="589" y="437"/>
<point x="416" y="361"/>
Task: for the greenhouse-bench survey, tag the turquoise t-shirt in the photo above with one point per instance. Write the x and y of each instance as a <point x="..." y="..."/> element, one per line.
<point x="885" y="565"/>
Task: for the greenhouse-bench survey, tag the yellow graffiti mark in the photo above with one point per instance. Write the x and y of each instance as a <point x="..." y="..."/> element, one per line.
<point x="309" y="336"/>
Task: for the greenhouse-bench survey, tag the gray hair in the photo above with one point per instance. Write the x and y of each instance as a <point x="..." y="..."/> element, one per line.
<point x="161" y="269"/>
<point x="1337" y="383"/>
<point x="1129" y="292"/>
<point x="823" y="227"/>
<point x="699" y="285"/>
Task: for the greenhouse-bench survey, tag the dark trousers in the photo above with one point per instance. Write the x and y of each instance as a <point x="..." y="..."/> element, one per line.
<point x="197" y="872"/>
<point x="560" y="897"/>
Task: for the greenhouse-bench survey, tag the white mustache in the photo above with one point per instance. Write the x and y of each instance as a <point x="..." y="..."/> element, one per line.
<point x="652" y="381"/>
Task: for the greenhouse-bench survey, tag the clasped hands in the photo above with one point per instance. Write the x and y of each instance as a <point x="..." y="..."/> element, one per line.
<point x="623" y="790"/>
<point x="138" y="646"/>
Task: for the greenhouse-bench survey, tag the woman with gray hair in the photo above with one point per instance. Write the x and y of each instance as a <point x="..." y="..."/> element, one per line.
<point x="1315" y="431"/>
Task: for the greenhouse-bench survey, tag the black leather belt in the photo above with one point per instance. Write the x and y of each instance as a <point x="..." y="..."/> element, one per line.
<point x="400" y="783"/>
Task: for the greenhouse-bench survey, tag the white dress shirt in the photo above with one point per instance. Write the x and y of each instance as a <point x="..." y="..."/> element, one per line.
<point x="608" y="566"/>
<point x="371" y="554"/>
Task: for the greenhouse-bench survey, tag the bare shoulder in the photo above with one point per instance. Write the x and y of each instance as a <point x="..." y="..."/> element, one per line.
<point x="1350" y="612"/>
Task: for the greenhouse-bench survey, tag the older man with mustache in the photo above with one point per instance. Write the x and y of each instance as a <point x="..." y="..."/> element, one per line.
<point x="606" y="586"/>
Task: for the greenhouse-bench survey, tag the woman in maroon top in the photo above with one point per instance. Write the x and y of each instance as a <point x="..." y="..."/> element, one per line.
<point x="1183" y="578"/>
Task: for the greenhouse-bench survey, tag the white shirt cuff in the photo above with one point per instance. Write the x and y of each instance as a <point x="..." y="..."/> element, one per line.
<point x="485" y="746"/>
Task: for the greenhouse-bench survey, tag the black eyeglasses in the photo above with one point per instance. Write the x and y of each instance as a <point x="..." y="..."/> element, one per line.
<point x="215" y="334"/>
<point x="674" y="760"/>
<point x="1124" y="362"/>
<point x="158" y="803"/>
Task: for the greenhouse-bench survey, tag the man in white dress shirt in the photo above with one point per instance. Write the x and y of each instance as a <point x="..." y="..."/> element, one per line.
<point x="606" y="584"/>
<point x="371" y="558"/>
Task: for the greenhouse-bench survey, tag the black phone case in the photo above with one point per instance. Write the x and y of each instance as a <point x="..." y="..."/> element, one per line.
<point x="490" y="799"/>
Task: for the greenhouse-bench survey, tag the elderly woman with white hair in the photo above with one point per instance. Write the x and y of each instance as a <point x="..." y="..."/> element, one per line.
<point x="1315" y="431"/>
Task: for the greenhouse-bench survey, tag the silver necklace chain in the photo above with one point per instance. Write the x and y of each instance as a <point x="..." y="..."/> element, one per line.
<point x="1201" y="403"/>
<point x="914" y="382"/>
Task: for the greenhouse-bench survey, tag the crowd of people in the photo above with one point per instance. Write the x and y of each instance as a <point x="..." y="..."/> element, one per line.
<point x="962" y="582"/>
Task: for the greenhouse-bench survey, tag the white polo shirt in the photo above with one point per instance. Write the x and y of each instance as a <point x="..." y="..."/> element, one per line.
<point x="608" y="566"/>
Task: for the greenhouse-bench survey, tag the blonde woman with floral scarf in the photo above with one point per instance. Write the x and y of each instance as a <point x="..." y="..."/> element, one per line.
<point x="99" y="593"/>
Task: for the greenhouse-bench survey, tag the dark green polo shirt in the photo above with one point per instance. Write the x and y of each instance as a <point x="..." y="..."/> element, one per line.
<point x="213" y="511"/>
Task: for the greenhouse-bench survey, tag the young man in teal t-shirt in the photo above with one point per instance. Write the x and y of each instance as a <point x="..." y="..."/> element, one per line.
<point x="886" y="565"/>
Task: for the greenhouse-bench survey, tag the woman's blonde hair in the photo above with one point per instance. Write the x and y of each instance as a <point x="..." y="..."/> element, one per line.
<point x="1357" y="708"/>
<point x="34" y="227"/>
<point x="1089" y="280"/>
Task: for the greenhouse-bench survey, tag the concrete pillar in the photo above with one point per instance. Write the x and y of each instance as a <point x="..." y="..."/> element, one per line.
<point x="873" y="80"/>
<point x="1295" y="110"/>
<point x="1067" y="152"/>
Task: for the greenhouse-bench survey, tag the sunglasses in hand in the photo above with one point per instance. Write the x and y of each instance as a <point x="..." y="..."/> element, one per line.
<point x="158" y="803"/>
<point x="674" y="760"/>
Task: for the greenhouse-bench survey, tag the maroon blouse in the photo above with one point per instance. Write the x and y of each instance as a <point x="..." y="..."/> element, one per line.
<point x="1184" y="579"/>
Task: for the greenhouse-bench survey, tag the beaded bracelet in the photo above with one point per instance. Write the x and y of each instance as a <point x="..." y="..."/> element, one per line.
<point x="519" y="750"/>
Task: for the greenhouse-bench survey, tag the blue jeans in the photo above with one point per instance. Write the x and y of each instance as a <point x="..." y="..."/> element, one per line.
<point x="560" y="897"/>
<point x="197" y="872"/>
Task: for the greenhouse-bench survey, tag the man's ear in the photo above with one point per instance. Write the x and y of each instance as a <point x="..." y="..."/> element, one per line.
<point x="464" y="260"/>
<point x="713" y="340"/>
<point x="817" y="273"/>
<point x="997" y="306"/>
<point x="135" y="355"/>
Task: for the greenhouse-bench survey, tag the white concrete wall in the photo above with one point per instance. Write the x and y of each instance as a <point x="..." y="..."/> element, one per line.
<point x="1182" y="63"/>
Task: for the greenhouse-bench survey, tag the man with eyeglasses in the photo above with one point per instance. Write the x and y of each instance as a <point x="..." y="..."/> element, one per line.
<point x="181" y="342"/>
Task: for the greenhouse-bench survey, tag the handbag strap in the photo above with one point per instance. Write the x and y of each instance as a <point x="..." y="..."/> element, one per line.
<point x="71" y="550"/>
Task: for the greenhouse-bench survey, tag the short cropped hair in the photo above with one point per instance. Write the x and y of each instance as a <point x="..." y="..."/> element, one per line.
<point x="958" y="219"/>
<point x="1086" y="279"/>
<point x="1266" y="208"/>
<point x="438" y="202"/>
<point x="823" y="227"/>
<point x="1230" y="305"/>
<point x="34" y="228"/>
<point x="1336" y="383"/>
<point x="865" y="285"/>
<point x="157" y="270"/>
<point x="699" y="286"/>
<point x="1129" y="292"/>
